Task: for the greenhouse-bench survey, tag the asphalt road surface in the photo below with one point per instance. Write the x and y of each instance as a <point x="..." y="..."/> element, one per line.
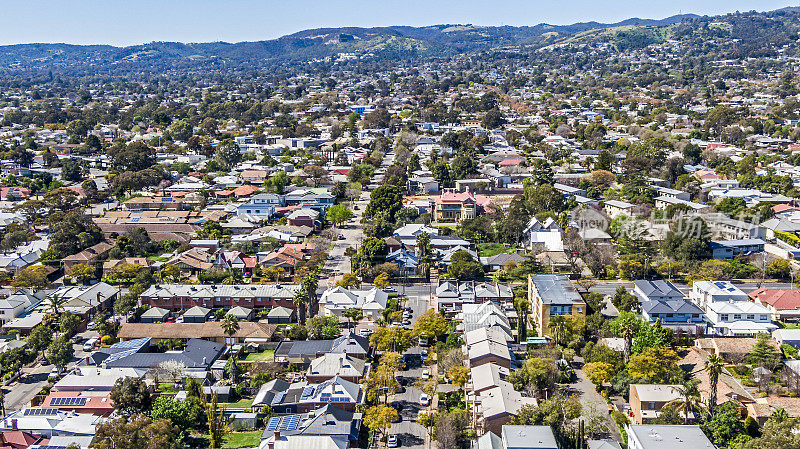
<point x="19" y="394"/>
<point x="409" y="432"/>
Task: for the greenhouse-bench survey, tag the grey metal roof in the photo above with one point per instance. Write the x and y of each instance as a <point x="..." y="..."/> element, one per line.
<point x="528" y="437"/>
<point x="658" y="288"/>
<point x="555" y="289"/>
<point x="671" y="306"/>
<point x="669" y="436"/>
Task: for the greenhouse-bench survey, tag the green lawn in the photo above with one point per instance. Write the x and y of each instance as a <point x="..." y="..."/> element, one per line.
<point x="235" y="440"/>
<point x="493" y="249"/>
<point x="167" y="387"/>
<point x="265" y="356"/>
<point x="241" y="403"/>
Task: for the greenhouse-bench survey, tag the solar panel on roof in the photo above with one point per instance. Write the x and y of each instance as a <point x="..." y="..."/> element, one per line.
<point x="307" y="391"/>
<point x="40" y="412"/>
<point x="273" y="423"/>
<point x="277" y="399"/>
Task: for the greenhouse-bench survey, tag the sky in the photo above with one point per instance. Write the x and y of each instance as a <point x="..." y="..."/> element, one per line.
<point x="126" y="22"/>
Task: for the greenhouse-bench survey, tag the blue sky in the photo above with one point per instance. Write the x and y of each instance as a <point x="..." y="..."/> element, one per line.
<point x="128" y="22"/>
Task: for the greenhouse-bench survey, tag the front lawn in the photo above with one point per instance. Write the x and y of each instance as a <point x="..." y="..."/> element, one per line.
<point x="235" y="440"/>
<point x="265" y="356"/>
<point x="241" y="403"/>
<point x="492" y="249"/>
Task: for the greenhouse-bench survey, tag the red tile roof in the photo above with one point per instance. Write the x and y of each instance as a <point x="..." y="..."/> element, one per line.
<point x="778" y="298"/>
<point x="245" y="190"/>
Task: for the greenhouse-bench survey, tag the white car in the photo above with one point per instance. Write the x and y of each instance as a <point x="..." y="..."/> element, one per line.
<point x="424" y="400"/>
<point x="393" y="441"/>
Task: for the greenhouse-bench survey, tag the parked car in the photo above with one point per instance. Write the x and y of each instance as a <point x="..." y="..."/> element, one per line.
<point x="426" y="374"/>
<point x="365" y="332"/>
<point x="390" y="289"/>
<point x="424" y="400"/>
<point x="341" y="237"/>
<point x="393" y="441"/>
<point x="54" y="373"/>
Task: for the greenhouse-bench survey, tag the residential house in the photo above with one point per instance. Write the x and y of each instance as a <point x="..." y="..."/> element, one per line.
<point x="552" y="295"/>
<point x="706" y="292"/>
<point x="304" y="397"/>
<point x="662" y="436"/>
<point x="481" y="316"/>
<point x="89" y="256"/>
<point x="729" y="249"/>
<point x="616" y="208"/>
<point x="675" y="314"/>
<point x="784" y="304"/>
<point x="303" y="352"/>
<point x="406" y="261"/>
<point x="328" y="366"/>
<point x="193" y="261"/>
<point x="732" y="350"/>
<point x="727" y="228"/>
<point x="498" y="405"/>
<point x="92" y="402"/>
<point x="253" y="296"/>
<point x="85" y="300"/>
<point x="305" y="216"/>
<point x="455" y="207"/>
<point x="528" y="437"/>
<point x="95" y="378"/>
<point x="249" y="332"/>
<point x="647" y="400"/>
<point x="50" y="422"/>
<point x="656" y="291"/>
<point x="789" y="337"/>
<point x="486" y="346"/>
<point x="18" y="439"/>
<point x="281" y="315"/>
<point x="336" y="300"/>
<point x="324" y="421"/>
<point x="739" y="318"/>
<point x="546" y="234"/>
<point x="19" y="303"/>
<point x="486" y="376"/>
<point x="499" y="261"/>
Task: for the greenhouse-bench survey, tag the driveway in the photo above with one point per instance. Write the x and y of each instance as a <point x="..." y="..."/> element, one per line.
<point x="589" y="397"/>
<point x="337" y="263"/>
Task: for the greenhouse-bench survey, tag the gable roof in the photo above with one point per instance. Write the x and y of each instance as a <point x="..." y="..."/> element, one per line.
<point x="778" y="298"/>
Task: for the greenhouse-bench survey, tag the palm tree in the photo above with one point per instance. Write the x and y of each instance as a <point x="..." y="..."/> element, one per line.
<point x="299" y="300"/>
<point x="714" y="366"/>
<point x="230" y="325"/>
<point x="558" y="327"/>
<point x="56" y="303"/>
<point x="688" y="398"/>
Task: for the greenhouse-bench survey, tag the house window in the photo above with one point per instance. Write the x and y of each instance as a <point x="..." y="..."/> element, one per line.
<point x="724" y="317"/>
<point x="763" y="317"/>
<point x="737" y="316"/>
<point x="751" y="317"/>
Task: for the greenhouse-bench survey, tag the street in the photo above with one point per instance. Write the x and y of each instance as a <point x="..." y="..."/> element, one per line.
<point x="19" y="394"/>
<point x="409" y="432"/>
<point x="607" y="288"/>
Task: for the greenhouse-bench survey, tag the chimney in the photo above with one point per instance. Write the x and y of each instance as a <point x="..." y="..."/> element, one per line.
<point x="14" y="425"/>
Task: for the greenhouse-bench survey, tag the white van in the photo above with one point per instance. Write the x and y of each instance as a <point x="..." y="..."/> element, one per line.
<point x="89" y="345"/>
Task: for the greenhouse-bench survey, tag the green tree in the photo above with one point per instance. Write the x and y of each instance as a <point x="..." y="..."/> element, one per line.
<point x="655" y="365"/>
<point x="136" y="432"/>
<point x="40" y="337"/>
<point x="83" y="272"/>
<point x="339" y="214"/>
<point x="763" y="353"/>
<point x="185" y="414"/>
<point x="379" y="417"/>
<point x="130" y="395"/>
<point x="60" y="352"/>
<point x="430" y="324"/>
<point x="627" y="325"/>
<point x="714" y="366"/>
<point x="217" y="429"/>
<point x="464" y="266"/>
<point x="394" y="339"/>
<point x="230" y="325"/>
<point x="31" y="277"/>
<point x="323" y="327"/>
<point x="68" y="323"/>
<point x="386" y="199"/>
<point x="688" y="402"/>
<point x="353" y="315"/>
<point x="724" y="425"/>
<point x="228" y="154"/>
